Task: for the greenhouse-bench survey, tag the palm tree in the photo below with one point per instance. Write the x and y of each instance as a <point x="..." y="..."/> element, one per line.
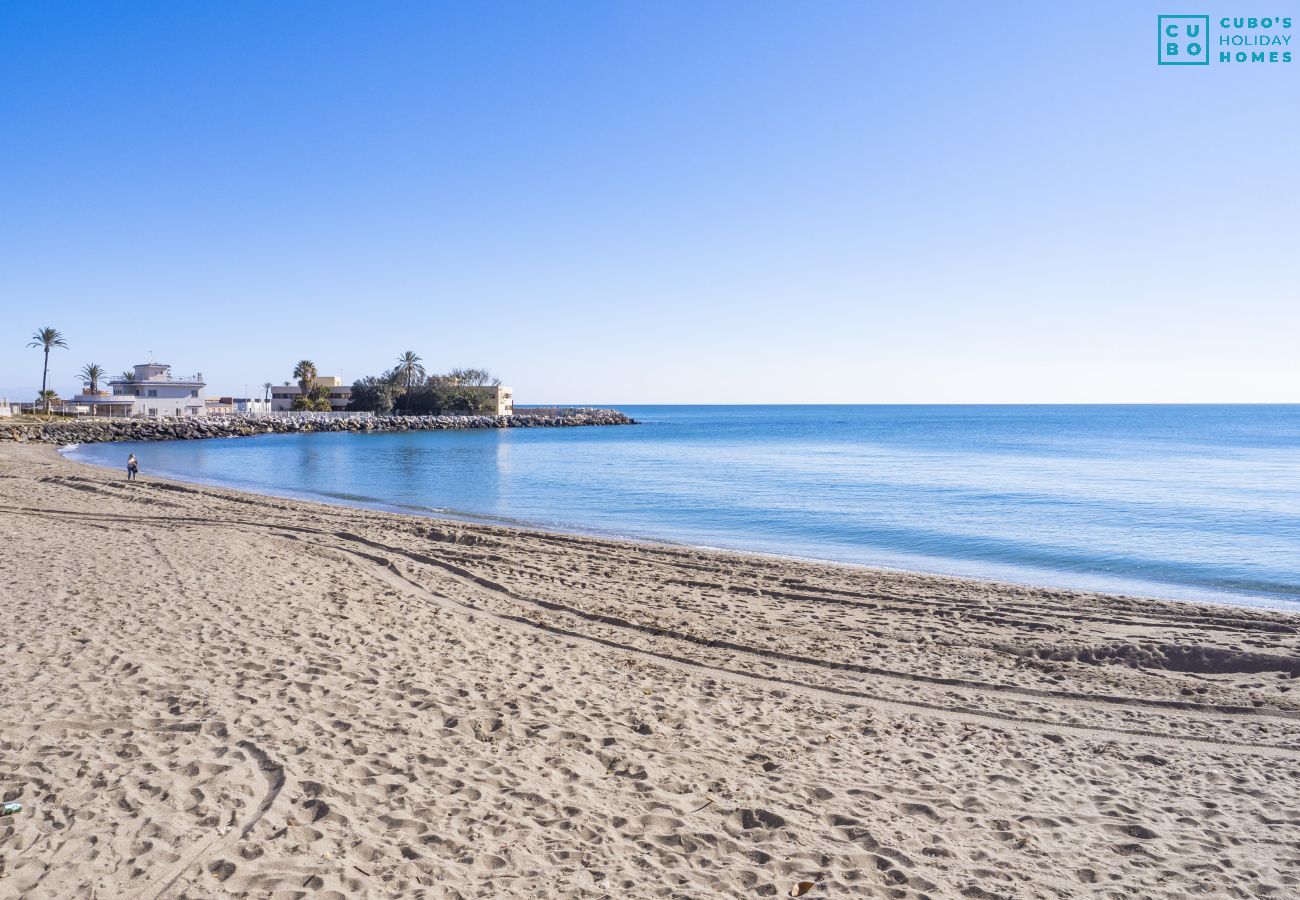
<point x="266" y="391"/>
<point x="46" y="338"/>
<point x="128" y="375"/>
<point x="92" y="373"/>
<point x="46" y="396"/>
<point x="408" y="369"/>
<point x="305" y="372"/>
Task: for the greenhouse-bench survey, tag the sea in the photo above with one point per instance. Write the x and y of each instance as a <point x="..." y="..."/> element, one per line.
<point x="1187" y="502"/>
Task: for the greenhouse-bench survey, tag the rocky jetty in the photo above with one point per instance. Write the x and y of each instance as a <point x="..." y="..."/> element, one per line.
<point x="87" y="431"/>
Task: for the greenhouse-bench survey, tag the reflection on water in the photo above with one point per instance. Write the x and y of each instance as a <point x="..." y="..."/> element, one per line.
<point x="1185" y="502"/>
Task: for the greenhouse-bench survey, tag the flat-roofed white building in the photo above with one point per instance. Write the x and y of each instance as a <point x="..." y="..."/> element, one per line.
<point x="282" y="396"/>
<point x="504" y="400"/>
<point x="100" y="403"/>
<point x="154" y="391"/>
<point x="251" y="406"/>
<point x="237" y="406"/>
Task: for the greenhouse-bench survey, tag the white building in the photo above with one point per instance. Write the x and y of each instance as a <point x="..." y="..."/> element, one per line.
<point x="251" y="406"/>
<point x="99" y="403"/>
<point x="237" y="406"/>
<point x="154" y="391"/>
<point x="503" y="401"/>
<point x="340" y="394"/>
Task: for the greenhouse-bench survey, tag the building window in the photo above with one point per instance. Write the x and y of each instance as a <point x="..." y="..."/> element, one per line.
<point x="194" y="393"/>
<point x="153" y="393"/>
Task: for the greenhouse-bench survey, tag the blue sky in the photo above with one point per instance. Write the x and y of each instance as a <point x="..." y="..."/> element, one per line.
<point x="652" y="201"/>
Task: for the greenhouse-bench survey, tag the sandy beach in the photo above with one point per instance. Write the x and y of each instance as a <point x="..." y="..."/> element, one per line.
<point x="206" y="693"/>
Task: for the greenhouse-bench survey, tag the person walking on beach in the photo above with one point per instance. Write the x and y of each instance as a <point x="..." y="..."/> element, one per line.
<point x="132" y="467"/>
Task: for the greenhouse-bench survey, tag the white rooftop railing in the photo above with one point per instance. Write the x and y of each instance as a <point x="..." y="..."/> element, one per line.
<point x="160" y="379"/>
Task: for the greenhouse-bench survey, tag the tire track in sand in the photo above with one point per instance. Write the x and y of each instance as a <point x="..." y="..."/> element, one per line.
<point x="388" y="571"/>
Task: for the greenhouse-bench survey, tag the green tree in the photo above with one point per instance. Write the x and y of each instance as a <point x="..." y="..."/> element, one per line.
<point x="128" y="375"/>
<point x="266" y="391"/>
<point x="312" y="397"/>
<point x="92" y="373"/>
<point x="47" y="397"/>
<point x="317" y="399"/>
<point x="46" y="339"/>
<point x="472" y="378"/>
<point x="305" y="373"/>
<point x="371" y="394"/>
<point x="409" y="371"/>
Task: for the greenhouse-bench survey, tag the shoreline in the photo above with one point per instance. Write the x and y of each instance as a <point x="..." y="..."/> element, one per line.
<point x="1286" y="605"/>
<point x="738" y="556"/>
<point x="253" y="694"/>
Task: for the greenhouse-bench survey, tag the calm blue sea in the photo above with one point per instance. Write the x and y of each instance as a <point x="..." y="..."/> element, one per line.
<point x="1182" y="502"/>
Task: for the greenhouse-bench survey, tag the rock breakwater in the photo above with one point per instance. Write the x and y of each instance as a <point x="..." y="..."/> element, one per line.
<point x="88" y="431"/>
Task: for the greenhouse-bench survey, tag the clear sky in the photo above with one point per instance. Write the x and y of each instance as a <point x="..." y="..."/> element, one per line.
<point x="652" y="201"/>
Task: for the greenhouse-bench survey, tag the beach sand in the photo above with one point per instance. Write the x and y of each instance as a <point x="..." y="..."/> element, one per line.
<point x="207" y="694"/>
